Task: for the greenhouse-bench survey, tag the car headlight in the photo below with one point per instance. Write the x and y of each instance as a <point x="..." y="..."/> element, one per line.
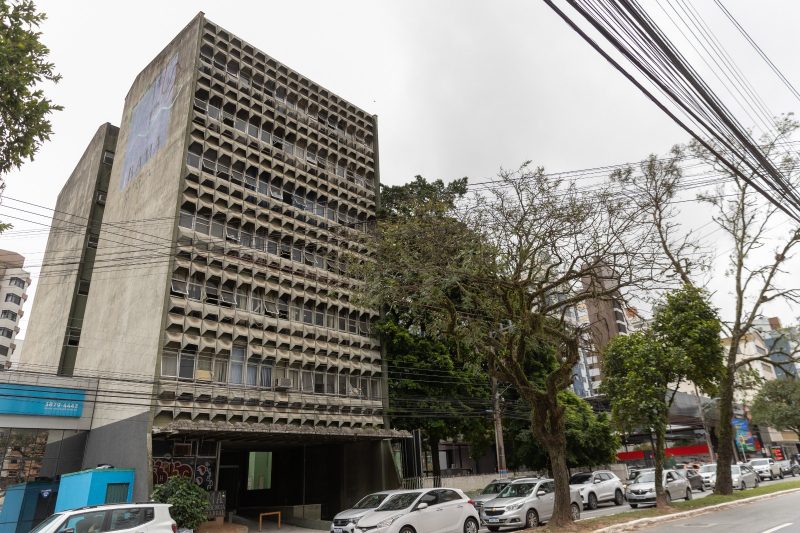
<point x="514" y="506"/>
<point x="388" y="522"/>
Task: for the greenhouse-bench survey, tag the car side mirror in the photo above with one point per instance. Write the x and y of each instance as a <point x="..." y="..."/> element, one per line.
<point x="597" y="480"/>
<point x="541" y="493"/>
<point x="422" y="506"/>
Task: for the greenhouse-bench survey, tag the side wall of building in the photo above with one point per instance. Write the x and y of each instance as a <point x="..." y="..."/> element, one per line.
<point x="66" y="250"/>
<point x="123" y="321"/>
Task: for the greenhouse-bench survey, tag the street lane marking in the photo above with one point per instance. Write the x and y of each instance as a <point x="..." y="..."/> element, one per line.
<point x="776" y="528"/>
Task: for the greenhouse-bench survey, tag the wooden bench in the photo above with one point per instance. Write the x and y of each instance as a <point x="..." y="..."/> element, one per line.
<point x="269" y="513"/>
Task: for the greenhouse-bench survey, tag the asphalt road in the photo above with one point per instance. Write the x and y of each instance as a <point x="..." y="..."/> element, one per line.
<point x="780" y="514"/>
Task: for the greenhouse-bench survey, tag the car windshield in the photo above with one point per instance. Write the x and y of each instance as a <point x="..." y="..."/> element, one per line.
<point x="581" y="479"/>
<point x="735" y="470"/>
<point x="398" y="501"/>
<point x="517" y="490"/>
<point x="759" y="462"/>
<point x="708" y="469"/>
<point x="371" y="501"/>
<point x="494" y="488"/>
<point x="49" y="520"/>
<point x="646" y="477"/>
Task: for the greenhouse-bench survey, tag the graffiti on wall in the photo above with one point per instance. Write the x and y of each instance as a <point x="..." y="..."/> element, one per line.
<point x="201" y="471"/>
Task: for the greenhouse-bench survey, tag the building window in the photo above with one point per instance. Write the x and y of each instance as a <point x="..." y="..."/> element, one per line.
<point x="186" y="370"/>
<point x="7" y="333"/>
<point x="266" y="377"/>
<point x="14" y="298"/>
<point x="108" y="157"/>
<point x="17" y="282"/>
<point x="83" y="287"/>
<point x="9" y="315"/>
<point x="236" y="374"/>
<point x="169" y="364"/>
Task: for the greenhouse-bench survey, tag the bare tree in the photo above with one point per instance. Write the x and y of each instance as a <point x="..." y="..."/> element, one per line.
<point x="502" y="275"/>
<point x="749" y="222"/>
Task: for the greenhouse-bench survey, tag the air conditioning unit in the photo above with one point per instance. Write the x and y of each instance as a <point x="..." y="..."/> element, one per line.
<point x="355" y="392"/>
<point x="283" y="383"/>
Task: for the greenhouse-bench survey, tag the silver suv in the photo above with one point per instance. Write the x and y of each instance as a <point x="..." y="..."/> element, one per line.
<point x="118" y="518"/>
<point x="599" y="486"/>
<point x="525" y="503"/>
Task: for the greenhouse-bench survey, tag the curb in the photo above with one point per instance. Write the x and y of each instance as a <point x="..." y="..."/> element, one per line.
<point x="634" y="524"/>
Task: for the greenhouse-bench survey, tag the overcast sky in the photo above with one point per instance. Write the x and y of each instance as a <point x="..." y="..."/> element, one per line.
<point x="461" y="87"/>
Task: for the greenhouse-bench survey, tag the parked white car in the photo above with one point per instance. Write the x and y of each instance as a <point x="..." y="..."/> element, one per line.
<point x="345" y="522"/>
<point x="709" y="473"/>
<point x="766" y="468"/>
<point x="596" y="487"/>
<point x="676" y="487"/>
<point x="422" y="511"/>
<point x="743" y="477"/>
<point x="119" y="518"/>
<point x="525" y="503"/>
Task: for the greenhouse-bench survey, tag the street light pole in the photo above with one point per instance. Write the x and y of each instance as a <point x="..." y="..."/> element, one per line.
<point x="498" y="430"/>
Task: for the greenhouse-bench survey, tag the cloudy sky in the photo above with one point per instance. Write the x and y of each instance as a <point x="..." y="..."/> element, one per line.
<point x="461" y="87"/>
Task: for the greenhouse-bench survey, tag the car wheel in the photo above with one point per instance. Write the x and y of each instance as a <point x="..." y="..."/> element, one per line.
<point x="757" y="483"/>
<point x="575" y="511"/>
<point x="744" y="486"/>
<point x="688" y="494"/>
<point x="668" y="496"/>
<point x="532" y="518"/>
<point x="703" y="487"/>
<point x="407" y="529"/>
<point x="619" y="499"/>
<point x="633" y="505"/>
<point x="471" y="525"/>
<point x="591" y="501"/>
<point x="781" y="474"/>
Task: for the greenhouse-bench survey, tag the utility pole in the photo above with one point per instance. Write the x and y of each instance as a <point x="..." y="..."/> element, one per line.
<point x="498" y="430"/>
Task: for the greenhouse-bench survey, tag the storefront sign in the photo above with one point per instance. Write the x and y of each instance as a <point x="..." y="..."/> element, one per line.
<point x="777" y="453"/>
<point x="216" y="504"/>
<point x="745" y="441"/>
<point x="19" y="399"/>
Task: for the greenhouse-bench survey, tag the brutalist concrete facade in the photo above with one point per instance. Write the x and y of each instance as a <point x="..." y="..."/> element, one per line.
<point x="222" y="320"/>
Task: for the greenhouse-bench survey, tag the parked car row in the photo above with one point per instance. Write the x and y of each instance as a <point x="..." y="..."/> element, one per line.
<point x="516" y="504"/>
<point x="439" y="510"/>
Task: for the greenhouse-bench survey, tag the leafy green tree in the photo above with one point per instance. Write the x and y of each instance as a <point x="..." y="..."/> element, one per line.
<point x="24" y="109"/>
<point x="189" y="501"/>
<point x="431" y="390"/>
<point x="642" y="371"/>
<point x="777" y="404"/>
<point x="591" y="440"/>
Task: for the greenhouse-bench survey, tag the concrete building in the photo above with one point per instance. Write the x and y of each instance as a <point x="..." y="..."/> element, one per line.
<point x="14" y="283"/>
<point x="215" y="308"/>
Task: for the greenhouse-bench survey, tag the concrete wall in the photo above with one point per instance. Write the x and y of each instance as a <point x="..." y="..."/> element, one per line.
<point x="124" y="311"/>
<point x="44" y="339"/>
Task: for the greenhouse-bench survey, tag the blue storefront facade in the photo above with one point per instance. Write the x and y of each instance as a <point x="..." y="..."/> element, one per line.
<point x="44" y="423"/>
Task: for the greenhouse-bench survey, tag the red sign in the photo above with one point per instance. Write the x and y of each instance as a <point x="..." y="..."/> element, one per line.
<point x="777" y="453"/>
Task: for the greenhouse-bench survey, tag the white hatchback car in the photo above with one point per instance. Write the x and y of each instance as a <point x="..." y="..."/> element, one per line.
<point x="117" y="518"/>
<point x="439" y="510"/>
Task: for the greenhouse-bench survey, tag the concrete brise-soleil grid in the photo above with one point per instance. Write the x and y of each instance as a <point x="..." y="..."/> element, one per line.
<point x="280" y="181"/>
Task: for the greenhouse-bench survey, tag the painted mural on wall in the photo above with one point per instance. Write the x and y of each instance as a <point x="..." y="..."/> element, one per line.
<point x="150" y="122"/>
<point x="200" y="470"/>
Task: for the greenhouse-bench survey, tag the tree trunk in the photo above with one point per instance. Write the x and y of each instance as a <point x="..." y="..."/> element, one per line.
<point x="658" y="457"/>
<point x="548" y="427"/>
<point x="725" y="436"/>
<point x="433" y="442"/>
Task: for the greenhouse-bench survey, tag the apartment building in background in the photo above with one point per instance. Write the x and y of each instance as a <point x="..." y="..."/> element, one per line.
<point x="14" y="283"/>
<point x="215" y="304"/>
